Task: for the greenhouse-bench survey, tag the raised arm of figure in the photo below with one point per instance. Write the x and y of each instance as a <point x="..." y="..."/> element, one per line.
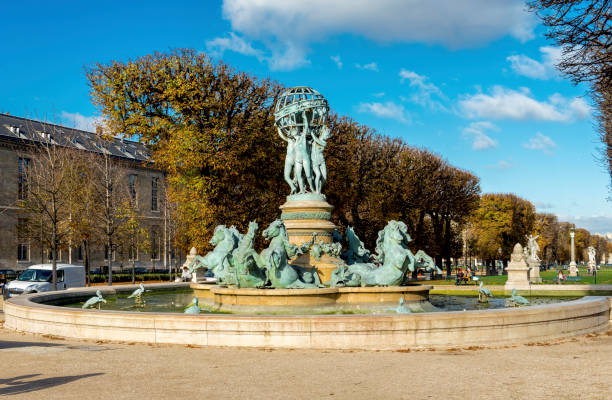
<point x="280" y="133"/>
<point x="318" y="140"/>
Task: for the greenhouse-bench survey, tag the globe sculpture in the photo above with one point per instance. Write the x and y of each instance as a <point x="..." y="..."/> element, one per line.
<point x="301" y="121"/>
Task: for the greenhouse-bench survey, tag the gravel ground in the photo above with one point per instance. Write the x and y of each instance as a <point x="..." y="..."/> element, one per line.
<point x="37" y="367"/>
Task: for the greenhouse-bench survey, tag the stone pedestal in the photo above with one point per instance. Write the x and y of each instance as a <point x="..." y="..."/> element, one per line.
<point x="303" y="216"/>
<point x="534" y="271"/>
<point x="518" y="271"/>
<point x="573" y="269"/>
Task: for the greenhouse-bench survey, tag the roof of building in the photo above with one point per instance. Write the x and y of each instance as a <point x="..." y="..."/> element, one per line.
<point x="26" y="130"/>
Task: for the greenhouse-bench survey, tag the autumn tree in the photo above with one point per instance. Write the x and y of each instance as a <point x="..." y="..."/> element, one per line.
<point x="547" y="228"/>
<point x="209" y="126"/>
<point x="131" y="237"/>
<point x="110" y="195"/>
<point x="583" y="30"/>
<point x="501" y="221"/>
<point x="45" y="201"/>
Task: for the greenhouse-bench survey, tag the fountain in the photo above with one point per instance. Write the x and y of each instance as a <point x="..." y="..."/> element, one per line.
<point x="293" y="293"/>
<point x="305" y="248"/>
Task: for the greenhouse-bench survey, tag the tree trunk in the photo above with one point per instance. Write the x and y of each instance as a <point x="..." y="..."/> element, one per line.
<point x="133" y="266"/>
<point x="86" y="262"/>
<point x="109" y="255"/>
<point x="447" y="245"/>
<point x="54" y="263"/>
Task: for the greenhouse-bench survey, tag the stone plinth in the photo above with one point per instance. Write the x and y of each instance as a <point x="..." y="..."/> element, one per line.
<point x="518" y="271"/>
<point x="534" y="271"/>
<point x="303" y="216"/>
<point x="573" y="269"/>
<point x="230" y="299"/>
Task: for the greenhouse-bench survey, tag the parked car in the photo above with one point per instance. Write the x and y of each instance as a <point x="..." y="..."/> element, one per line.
<point x="7" y="275"/>
<point x="37" y="278"/>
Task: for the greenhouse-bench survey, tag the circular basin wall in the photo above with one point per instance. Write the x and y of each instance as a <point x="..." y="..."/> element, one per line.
<point x="372" y="332"/>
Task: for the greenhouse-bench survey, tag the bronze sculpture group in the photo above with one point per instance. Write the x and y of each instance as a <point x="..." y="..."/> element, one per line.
<point x="301" y="116"/>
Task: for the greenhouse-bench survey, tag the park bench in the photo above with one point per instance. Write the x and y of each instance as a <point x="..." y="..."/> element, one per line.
<point x="573" y="279"/>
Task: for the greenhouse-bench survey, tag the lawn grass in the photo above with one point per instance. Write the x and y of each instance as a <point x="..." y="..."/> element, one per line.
<point x="604" y="277"/>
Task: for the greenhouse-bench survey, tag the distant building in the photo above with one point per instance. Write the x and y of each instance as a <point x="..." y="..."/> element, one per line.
<point x="16" y="135"/>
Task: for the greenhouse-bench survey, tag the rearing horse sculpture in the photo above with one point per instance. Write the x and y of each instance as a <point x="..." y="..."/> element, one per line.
<point x="275" y="260"/>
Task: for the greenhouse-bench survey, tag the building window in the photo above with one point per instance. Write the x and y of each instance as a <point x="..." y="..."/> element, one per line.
<point x="155" y="244"/>
<point x="50" y="255"/>
<point x="24" y="164"/>
<point x="23" y="252"/>
<point x="132" y="189"/>
<point x="154" y="202"/>
<point x="23" y="244"/>
<point x="133" y="253"/>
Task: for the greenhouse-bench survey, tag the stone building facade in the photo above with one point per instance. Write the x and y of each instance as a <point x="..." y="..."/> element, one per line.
<point x="145" y="183"/>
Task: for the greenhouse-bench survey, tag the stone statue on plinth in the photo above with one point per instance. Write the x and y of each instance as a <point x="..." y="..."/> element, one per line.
<point x="532" y="259"/>
<point x="592" y="261"/>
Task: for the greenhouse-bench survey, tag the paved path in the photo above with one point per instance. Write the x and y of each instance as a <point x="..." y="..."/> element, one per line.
<point x="36" y="367"/>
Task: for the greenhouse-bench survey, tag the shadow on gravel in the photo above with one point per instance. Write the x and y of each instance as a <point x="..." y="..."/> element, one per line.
<point x="7" y="344"/>
<point x="17" y="384"/>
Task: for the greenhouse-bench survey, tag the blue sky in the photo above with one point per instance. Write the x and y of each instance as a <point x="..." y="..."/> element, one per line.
<point x="472" y="81"/>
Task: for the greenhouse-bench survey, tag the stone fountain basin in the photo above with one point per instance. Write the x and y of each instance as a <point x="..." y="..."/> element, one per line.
<point x="232" y="299"/>
<point x="352" y="331"/>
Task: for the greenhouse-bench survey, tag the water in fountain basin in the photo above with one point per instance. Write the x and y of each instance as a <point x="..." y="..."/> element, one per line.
<point x="175" y="301"/>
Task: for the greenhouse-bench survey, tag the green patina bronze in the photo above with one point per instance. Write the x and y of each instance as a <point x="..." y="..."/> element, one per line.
<point x="217" y="261"/>
<point x="275" y="260"/>
<point x="356" y="252"/>
<point x="306" y="215"/>
<point x="319" y="248"/>
<point x="393" y="259"/>
<point x="301" y="115"/>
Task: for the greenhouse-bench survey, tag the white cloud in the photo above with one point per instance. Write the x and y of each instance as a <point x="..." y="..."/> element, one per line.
<point x="503" y="103"/>
<point x="80" y="121"/>
<point x="337" y="60"/>
<point x="544" y="69"/>
<point x="540" y="142"/>
<point x="593" y="223"/>
<point x="425" y="91"/>
<point x="370" y="66"/>
<point x="385" y="110"/>
<point x="379" y="94"/>
<point x="544" y="206"/>
<point x="280" y="57"/>
<point x="501" y="164"/>
<point x="282" y="25"/>
<point x="477" y="132"/>
<point x="216" y="47"/>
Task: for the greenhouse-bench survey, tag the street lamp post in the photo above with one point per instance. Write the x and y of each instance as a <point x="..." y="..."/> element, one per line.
<point x="573" y="271"/>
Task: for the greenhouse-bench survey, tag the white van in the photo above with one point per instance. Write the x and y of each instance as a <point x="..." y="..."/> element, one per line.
<point x="37" y="278"/>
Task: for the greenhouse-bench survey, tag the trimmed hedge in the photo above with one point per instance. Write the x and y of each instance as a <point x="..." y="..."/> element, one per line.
<point x="127" y="277"/>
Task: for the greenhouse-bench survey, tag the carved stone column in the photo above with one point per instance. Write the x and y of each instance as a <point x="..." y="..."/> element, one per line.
<point x="306" y="215"/>
<point x="573" y="270"/>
